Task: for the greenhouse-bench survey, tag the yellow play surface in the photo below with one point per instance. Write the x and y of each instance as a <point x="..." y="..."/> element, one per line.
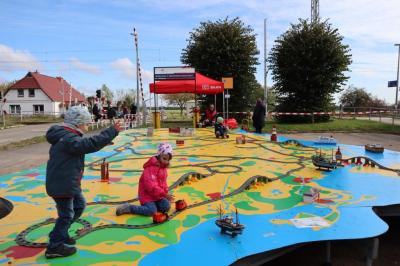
<point x="258" y="178"/>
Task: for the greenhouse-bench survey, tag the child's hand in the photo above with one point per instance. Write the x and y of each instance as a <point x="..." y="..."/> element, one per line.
<point x="170" y="197"/>
<point x="117" y="126"/>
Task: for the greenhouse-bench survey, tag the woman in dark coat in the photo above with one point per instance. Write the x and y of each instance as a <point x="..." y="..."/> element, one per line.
<point x="259" y="116"/>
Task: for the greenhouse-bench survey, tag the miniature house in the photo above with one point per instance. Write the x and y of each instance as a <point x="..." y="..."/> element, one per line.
<point x="311" y="196"/>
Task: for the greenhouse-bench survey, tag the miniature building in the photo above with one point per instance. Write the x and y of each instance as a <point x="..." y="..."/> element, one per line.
<point x="150" y="132"/>
<point x="180" y="142"/>
<point x="174" y="130"/>
<point x="186" y="132"/>
<point x="311" y="195"/>
<point x="241" y="139"/>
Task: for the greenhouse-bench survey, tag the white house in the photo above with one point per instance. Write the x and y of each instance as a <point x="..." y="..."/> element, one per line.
<point x="40" y="94"/>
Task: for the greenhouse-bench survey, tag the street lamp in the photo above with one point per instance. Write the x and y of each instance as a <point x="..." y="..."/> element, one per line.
<point x="397" y="84"/>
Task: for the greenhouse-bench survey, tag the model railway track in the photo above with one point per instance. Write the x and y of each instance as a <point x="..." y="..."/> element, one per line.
<point x="22" y="240"/>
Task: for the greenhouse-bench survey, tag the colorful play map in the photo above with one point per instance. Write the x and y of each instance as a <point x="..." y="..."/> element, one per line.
<point x="265" y="181"/>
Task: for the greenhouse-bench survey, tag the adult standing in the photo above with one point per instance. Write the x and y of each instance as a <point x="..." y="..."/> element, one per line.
<point x="133" y="110"/>
<point x="259" y="116"/>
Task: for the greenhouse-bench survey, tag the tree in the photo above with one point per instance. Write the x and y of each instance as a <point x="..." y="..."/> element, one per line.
<point x="125" y="96"/>
<point x="108" y="94"/>
<point x="308" y="63"/>
<point x="179" y="99"/>
<point x="4" y="87"/>
<point x="358" y="97"/>
<point x="225" y="48"/>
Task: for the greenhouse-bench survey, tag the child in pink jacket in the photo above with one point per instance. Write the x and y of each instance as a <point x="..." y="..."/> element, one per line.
<point x="153" y="188"/>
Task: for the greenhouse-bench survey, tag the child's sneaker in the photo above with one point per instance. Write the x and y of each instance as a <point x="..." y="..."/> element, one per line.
<point x="60" y="251"/>
<point x="70" y="241"/>
<point x="123" y="209"/>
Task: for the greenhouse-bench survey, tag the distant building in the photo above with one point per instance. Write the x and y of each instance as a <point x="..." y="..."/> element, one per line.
<point x="40" y="94"/>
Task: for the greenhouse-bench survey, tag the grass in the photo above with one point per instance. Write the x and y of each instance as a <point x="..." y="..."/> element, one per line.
<point x="29" y="120"/>
<point x="22" y="143"/>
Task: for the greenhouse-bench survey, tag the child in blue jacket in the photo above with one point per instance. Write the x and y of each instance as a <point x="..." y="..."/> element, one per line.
<point x="220" y="129"/>
<point x="65" y="170"/>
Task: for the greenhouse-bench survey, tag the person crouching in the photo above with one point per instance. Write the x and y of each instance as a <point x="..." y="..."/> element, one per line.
<point x="153" y="188"/>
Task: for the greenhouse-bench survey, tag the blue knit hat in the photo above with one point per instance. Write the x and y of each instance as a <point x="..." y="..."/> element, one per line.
<point x="77" y="115"/>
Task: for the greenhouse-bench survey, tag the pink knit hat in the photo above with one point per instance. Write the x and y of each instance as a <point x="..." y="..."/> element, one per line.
<point x="164" y="148"/>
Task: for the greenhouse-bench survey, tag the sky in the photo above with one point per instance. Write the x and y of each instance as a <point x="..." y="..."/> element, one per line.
<point x="89" y="42"/>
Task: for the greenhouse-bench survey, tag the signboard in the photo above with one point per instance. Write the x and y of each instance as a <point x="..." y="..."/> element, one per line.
<point x="174" y="73"/>
<point x="228" y="83"/>
<point x="392" y="83"/>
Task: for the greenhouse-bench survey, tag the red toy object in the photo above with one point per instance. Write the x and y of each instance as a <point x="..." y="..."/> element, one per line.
<point x="160" y="217"/>
<point x="274" y="136"/>
<point x="180" y="142"/>
<point x="104" y="171"/>
<point x="231" y="123"/>
<point x="180" y="205"/>
<point x="174" y="130"/>
<point x="358" y="161"/>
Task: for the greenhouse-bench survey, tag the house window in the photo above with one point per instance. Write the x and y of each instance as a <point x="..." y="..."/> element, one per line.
<point x="20" y="93"/>
<point x="1" y="95"/>
<point x="31" y="92"/>
<point x="15" y="109"/>
<point x="38" y="109"/>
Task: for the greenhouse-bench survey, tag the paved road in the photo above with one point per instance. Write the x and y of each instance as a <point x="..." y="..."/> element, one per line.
<point x="26" y="157"/>
<point x="23" y="132"/>
<point x="386" y="120"/>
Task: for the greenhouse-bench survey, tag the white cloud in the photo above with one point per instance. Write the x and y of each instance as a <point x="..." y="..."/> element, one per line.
<point x="125" y="67"/>
<point x="16" y="60"/>
<point x="75" y="63"/>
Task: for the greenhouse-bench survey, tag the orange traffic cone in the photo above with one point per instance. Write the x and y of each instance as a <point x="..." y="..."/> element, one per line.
<point x="274" y="136"/>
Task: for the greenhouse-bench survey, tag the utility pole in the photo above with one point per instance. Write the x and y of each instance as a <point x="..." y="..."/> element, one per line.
<point x="314" y="11"/>
<point x="398" y="65"/>
<point x="265" y="67"/>
<point x="135" y="35"/>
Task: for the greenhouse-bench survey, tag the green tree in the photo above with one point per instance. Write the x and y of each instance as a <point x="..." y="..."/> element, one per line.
<point x="108" y="94"/>
<point x="358" y="97"/>
<point x="4" y="87"/>
<point x="308" y="64"/>
<point x="125" y="96"/>
<point x="179" y="99"/>
<point x="225" y="48"/>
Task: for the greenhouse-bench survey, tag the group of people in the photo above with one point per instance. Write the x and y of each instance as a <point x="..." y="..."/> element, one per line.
<point x="112" y="112"/>
<point x="66" y="165"/>
<point x="212" y="118"/>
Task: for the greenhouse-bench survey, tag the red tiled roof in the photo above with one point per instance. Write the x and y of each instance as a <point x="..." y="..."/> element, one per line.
<point x="52" y="87"/>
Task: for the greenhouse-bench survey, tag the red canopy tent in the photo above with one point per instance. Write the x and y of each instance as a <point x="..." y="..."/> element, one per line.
<point x="204" y="85"/>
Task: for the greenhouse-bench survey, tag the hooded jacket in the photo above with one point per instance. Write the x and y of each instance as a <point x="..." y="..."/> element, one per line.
<point x="153" y="182"/>
<point x="67" y="158"/>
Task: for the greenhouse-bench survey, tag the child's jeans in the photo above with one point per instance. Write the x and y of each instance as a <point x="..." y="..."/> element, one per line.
<point x="151" y="208"/>
<point x="69" y="210"/>
<point x="220" y="132"/>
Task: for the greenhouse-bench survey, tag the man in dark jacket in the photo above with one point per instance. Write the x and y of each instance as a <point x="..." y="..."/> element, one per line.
<point x="64" y="173"/>
<point x="259" y="116"/>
